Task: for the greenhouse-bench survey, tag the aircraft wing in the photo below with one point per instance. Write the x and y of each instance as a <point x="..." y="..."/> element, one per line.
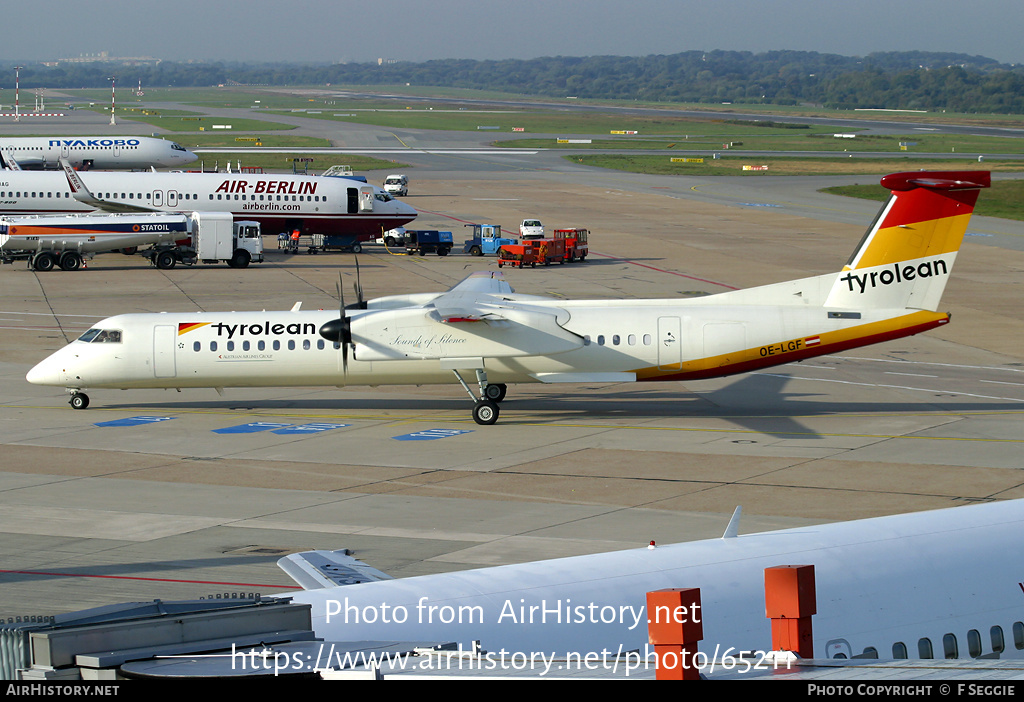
<point x="81" y="193"/>
<point x="486" y="282"/>
<point x="314" y="570"/>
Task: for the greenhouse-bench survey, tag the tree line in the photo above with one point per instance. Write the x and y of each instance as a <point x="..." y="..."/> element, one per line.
<point x="890" y="80"/>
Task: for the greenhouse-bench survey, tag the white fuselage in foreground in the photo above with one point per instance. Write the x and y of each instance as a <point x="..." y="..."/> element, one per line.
<point x="945" y="581"/>
<point x="96" y="152"/>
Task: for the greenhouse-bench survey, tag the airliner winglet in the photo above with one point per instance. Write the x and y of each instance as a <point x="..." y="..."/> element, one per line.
<point x="732" y="530"/>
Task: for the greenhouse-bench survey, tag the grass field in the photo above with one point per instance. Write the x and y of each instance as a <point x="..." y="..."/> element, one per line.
<point x="773" y="140"/>
<point x="288" y="97"/>
<point x="732" y="164"/>
<point x="181" y="121"/>
<point x="208" y="140"/>
<point x="1004" y="199"/>
<point x="282" y="163"/>
<point x="546" y="122"/>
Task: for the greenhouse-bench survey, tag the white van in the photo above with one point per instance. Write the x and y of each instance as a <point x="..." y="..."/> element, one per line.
<point x="397" y="184"/>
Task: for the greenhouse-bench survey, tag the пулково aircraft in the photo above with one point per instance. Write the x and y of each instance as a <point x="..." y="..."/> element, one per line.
<point x="938" y="584"/>
<point x="890" y="288"/>
<point x="87" y="153"/>
<point x="311" y="204"/>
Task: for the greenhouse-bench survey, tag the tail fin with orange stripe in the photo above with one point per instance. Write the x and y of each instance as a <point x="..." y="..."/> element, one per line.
<point x="905" y="258"/>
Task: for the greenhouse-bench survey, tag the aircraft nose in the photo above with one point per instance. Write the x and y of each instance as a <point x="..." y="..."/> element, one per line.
<point x="46" y="372"/>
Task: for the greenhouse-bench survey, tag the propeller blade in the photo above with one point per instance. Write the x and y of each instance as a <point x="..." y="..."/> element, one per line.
<point x="339" y="331"/>
<point x="357" y="286"/>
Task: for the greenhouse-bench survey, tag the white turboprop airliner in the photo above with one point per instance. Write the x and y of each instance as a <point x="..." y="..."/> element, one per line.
<point x="311" y="204"/>
<point x="93" y="152"/>
<point x="939" y="584"/>
<point x="889" y="289"/>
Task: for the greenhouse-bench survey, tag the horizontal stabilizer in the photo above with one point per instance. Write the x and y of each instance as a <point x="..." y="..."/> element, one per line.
<point x="314" y="570"/>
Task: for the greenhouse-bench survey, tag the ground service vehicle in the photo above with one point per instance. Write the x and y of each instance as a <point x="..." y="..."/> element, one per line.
<point x="426" y="241"/>
<point x="530" y="252"/>
<point x="342" y="242"/>
<point x="576" y="247"/>
<point x="397" y="184"/>
<point x="486" y="240"/>
<point x="213" y="237"/>
<point x="46" y="241"/>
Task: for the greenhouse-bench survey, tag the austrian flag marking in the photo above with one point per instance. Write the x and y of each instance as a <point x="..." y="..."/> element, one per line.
<point x="186" y="327"/>
<point x="812" y="341"/>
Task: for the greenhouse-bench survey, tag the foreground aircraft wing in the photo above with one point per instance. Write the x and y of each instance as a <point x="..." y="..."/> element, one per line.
<point x="314" y="570"/>
<point x="85" y="196"/>
<point x="478" y="318"/>
<point x="486" y="282"/>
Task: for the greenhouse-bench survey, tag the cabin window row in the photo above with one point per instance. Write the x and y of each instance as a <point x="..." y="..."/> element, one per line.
<point x="261" y="345"/>
<point x="951" y="646"/>
<point x="32" y="194"/>
<point x="618" y="340"/>
<point x="140" y="196"/>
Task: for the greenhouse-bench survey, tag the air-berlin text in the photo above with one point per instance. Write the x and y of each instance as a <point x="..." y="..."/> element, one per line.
<point x="268" y="187"/>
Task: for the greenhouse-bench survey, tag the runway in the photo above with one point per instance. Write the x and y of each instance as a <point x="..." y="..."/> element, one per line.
<point x="158" y="494"/>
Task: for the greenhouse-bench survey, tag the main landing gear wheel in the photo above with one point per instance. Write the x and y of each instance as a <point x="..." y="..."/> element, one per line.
<point x="485" y="412"/>
<point x="79" y="400"/>
<point x="495" y="392"/>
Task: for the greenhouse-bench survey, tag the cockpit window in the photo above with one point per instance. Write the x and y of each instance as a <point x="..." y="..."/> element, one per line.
<point x="382" y="196"/>
<point x="101" y="336"/>
<point x="177" y="147"/>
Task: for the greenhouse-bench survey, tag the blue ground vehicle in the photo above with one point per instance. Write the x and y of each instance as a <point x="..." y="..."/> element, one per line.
<point x="426" y="241"/>
<point x="486" y="240"/>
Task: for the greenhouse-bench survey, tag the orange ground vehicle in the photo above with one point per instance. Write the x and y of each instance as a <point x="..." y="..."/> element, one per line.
<point x="530" y="252"/>
<point x="576" y="247"/>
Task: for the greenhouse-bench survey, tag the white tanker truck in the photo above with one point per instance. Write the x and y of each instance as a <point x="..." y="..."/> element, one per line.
<point x="166" y="239"/>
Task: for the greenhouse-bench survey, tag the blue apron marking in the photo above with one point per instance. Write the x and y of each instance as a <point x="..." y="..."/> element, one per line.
<point x="431" y="434"/>
<point x="132" y="421"/>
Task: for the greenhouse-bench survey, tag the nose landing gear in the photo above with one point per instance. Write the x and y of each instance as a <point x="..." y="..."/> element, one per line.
<point x="78" y="400"/>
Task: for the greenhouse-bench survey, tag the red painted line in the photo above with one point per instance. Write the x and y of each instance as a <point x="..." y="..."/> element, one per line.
<point x="155" y="580"/>
<point x="662" y="270"/>
<point x="624" y="260"/>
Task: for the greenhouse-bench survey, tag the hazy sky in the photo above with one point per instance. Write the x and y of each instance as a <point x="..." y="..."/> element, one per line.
<point x="417" y="30"/>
